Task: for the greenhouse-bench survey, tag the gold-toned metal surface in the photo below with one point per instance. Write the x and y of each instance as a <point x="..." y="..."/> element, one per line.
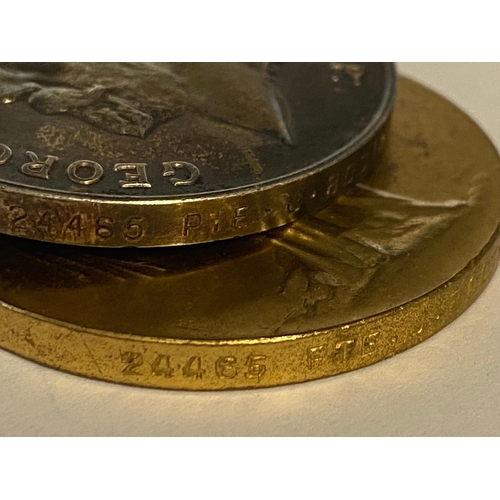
<point x="168" y="154"/>
<point x="375" y="273"/>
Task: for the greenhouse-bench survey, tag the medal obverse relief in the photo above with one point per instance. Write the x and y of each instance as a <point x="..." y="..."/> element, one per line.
<point x="133" y="98"/>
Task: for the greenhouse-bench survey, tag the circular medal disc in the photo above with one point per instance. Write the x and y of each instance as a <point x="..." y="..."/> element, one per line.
<point x="375" y="273"/>
<point x="160" y="154"/>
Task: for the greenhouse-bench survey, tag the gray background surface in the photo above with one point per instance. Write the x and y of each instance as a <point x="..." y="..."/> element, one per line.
<point x="449" y="385"/>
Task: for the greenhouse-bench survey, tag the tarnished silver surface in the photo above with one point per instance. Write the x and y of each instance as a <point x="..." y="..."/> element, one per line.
<point x="159" y="154"/>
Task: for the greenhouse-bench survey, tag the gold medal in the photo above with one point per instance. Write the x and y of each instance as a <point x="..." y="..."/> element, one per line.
<point x="376" y="272"/>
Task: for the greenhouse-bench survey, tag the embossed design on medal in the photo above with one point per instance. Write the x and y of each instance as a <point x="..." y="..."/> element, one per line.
<point x="128" y="99"/>
<point x="188" y="147"/>
<point x="335" y="251"/>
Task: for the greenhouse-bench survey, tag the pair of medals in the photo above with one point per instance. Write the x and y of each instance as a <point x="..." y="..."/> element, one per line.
<point x="239" y="225"/>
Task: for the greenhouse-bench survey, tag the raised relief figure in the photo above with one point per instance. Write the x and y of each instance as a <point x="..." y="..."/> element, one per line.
<point x="133" y="98"/>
